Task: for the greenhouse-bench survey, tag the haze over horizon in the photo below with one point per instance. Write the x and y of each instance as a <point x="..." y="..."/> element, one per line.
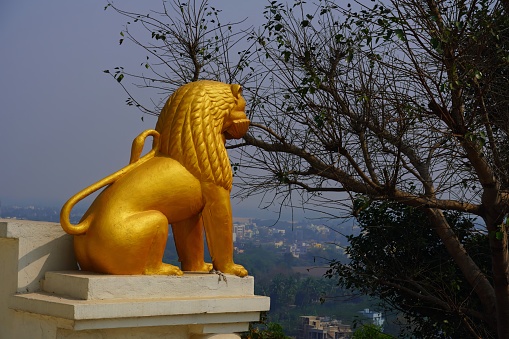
<point x="64" y="123"/>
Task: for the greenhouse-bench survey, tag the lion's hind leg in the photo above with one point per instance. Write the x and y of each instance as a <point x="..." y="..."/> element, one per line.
<point x="148" y="233"/>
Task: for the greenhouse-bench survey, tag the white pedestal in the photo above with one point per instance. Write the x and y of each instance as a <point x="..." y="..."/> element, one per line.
<point x="75" y="304"/>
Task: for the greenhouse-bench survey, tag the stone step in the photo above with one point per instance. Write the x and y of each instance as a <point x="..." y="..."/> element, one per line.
<point x="92" y="286"/>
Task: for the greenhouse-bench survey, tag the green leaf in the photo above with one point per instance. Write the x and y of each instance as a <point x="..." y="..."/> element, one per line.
<point x="120" y="41"/>
<point x="499" y="235"/>
<point x="400" y="34"/>
<point x="286" y="55"/>
<point x="435" y="43"/>
<point x="120" y="77"/>
<point x="349" y="57"/>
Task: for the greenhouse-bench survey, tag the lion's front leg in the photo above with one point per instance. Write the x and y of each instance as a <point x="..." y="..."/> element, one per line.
<point x="217" y="219"/>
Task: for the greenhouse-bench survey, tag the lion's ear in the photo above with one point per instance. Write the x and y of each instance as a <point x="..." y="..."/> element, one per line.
<point x="236" y="90"/>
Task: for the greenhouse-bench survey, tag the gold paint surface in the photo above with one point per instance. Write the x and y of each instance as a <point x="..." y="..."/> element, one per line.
<point x="185" y="180"/>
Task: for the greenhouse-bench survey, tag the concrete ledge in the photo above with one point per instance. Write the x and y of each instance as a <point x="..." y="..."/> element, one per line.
<point x="144" y="302"/>
<point x="42" y="247"/>
<point x="37" y="302"/>
<point x="91" y="286"/>
<point x="136" y="313"/>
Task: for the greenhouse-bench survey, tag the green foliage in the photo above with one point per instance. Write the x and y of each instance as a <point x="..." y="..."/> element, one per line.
<point x="399" y="259"/>
<point x="370" y="331"/>
<point x="259" y="260"/>
<point x="264" y="330"/>
<point x="294" y="294"/>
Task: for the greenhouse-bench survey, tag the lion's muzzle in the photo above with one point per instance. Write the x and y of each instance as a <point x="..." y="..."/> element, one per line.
<point x="238" y="129"/>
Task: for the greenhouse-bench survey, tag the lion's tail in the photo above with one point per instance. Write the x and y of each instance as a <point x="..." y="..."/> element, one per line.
<point x="135" y="161"/>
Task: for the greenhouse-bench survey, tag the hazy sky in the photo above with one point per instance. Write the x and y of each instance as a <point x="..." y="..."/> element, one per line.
<point x="64" y="123"/>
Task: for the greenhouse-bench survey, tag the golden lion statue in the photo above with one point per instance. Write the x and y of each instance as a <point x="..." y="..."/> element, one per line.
<point x="185" y="181"/>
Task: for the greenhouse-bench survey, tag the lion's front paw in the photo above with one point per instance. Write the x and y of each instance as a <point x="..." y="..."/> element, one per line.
<point x="203" y="267"/>
<point x="235" y="269"/>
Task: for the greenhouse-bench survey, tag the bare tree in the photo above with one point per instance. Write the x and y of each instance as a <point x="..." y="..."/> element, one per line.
<point x="188" y="42"/>
<point x="395" y="102"/>
<point x="404" y="100"/>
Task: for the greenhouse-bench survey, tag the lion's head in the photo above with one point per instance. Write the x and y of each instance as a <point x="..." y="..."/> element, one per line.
<point x="194" y="123"/>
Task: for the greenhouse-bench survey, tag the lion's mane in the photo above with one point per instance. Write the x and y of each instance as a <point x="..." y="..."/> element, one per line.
<point x="190" y="125"/>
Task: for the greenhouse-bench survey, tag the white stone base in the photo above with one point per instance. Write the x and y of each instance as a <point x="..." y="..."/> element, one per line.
<point x="75" y="304"/>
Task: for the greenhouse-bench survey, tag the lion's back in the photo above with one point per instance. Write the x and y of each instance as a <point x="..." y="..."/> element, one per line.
<point x="161" y="184"/>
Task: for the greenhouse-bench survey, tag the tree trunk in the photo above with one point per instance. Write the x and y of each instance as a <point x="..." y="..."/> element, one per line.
<point x="500" y="267"/>
<point x="468" y="267"/>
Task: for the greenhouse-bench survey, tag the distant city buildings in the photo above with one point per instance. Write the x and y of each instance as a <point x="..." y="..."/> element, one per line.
<point x="298" y="249"/>
<point x="313" y="327"/>
<point x="375" y="317"/>
<point x="240" y="233"/>
<point x="286" y="240"/>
